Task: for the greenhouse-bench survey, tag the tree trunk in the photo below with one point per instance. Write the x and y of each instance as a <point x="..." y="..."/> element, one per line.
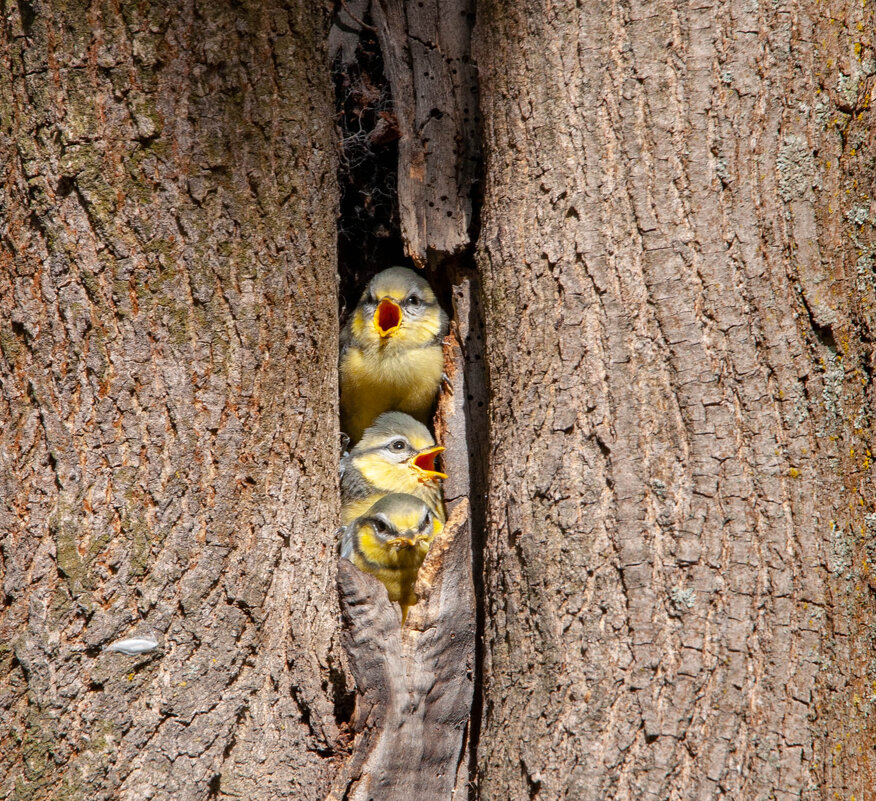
<point x="169" y="403"/>
<point x="676" y="260"/>
<point x="677" y="256"/>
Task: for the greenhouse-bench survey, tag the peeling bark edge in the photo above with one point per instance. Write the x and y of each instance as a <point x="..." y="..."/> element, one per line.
<point x="434" y="85"/>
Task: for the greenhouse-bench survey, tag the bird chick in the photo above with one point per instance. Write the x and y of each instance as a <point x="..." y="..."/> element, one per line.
<point x="390" y="541"/>
<point x="391" y="357"/>
<point x="395" y="454"/>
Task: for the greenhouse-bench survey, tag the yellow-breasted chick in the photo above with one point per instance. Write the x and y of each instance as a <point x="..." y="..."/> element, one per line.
<point x="395" y="454"/>
<point x="390" y="541"/>
<point x="391" y="356"/>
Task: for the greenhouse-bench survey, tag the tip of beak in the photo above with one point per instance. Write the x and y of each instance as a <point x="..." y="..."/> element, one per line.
<point x="425" y="463"/>
<point x="402" y="542"/>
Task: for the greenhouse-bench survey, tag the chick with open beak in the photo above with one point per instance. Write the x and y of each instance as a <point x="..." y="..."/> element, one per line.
<point x="391" y="357"/>
<point x="396" y="454"/>
<point x="390" y="541"/>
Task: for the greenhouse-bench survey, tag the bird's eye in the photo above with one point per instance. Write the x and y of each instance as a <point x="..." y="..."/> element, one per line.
<point x="414" y="300"/>
<point x="398" y="445"/>
<point x="380" y="526"/>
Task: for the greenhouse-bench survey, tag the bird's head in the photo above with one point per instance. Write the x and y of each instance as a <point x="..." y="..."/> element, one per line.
<point x="396" y="449"/>
<point x="400" y="522"/>
<point x="398" y="308"/>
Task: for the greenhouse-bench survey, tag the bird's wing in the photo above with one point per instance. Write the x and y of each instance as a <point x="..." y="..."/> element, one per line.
<point x="354" y="486"/>
<point x="346" y="541"/>
<point x="346" y="336"/>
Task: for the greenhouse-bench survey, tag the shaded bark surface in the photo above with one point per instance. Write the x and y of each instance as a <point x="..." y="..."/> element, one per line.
<point x="426" y="48"/>
<point x="168" y="457"/>
<point x="677" y="255"/>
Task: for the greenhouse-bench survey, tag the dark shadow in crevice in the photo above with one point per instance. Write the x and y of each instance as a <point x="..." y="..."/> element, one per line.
<point x="369" y="235"/>
<point x="456" y="274"/>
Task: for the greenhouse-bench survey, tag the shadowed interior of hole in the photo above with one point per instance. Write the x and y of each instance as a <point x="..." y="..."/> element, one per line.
<point x="369" y="238"/>
<point x="369" y="233"/>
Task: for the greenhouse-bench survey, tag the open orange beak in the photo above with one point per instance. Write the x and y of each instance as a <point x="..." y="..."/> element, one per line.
<point x="387" y="318"/>
<point x="423" y="465"/>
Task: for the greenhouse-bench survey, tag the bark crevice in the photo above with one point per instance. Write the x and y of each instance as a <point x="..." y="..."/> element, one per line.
<point x="379" y="132"/>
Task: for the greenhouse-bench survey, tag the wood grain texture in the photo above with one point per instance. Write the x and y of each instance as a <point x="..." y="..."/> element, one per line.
<point x="677" y="262"/>
<point x="426" y="50"/>
<point x="168" y="398"/>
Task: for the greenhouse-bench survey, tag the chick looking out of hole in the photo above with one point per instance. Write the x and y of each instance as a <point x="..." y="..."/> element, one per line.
<point x="390" y="541"/>
<point x="395" y="454"/>
<point x="391" y="353"/>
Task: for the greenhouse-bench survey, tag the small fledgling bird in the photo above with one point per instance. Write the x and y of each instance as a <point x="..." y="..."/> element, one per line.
<point x="390" y="541"/>
<point x="395" y="454"/>
<point x="391" y="357"/>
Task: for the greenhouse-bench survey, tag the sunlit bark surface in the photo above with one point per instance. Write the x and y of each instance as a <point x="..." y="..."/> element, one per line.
<point x="677" y="253"/>
<point x="168" y="450"/>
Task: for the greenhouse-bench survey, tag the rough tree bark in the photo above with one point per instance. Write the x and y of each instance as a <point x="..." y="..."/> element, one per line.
<point x="677" y="255"/>
<point x="168" y="453"/>
<point x="677" y="262"/>
<point x="426" y="46"/>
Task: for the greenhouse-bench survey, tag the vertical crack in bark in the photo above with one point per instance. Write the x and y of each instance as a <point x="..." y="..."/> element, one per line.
<point x="387" y="151"/>
<point x="471" y="451"/>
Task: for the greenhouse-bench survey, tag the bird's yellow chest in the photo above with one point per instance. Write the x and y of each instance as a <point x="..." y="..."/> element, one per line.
<point x="396" y="569"/>
<point x="403" y="374"/>
<point x="377" y="381"/>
